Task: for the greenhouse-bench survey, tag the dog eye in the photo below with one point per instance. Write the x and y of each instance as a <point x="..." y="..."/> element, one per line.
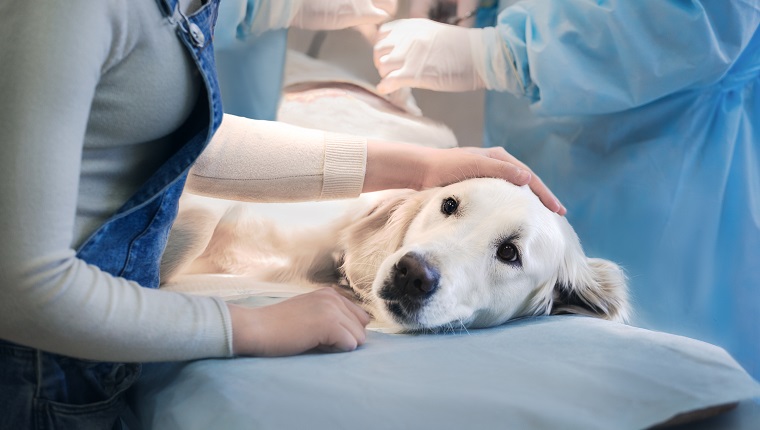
<point x="449" y="206"/>
<point x="507" y="253"/>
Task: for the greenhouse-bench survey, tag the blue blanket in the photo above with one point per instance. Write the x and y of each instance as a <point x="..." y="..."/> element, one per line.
<point x="567" y="372"/>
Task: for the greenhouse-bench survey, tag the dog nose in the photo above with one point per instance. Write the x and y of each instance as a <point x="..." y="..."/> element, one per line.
<point x="414" y="276"/>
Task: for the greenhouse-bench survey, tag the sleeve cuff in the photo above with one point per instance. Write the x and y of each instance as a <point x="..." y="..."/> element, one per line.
<point x="227" y="321"/>
<point x="345" y="164"/>
<point x="494" y="62"/>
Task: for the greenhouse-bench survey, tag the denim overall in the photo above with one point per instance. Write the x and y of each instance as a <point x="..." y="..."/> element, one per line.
<point x="39" y="390"/>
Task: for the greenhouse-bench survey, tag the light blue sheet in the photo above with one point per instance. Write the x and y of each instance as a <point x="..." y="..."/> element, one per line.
<point x="565" y="372"/>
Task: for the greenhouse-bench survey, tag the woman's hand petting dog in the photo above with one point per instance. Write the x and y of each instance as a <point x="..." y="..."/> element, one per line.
<point x="398" y="165"/>
<point x="322" y="319"/>
<point x="535" y="183"/>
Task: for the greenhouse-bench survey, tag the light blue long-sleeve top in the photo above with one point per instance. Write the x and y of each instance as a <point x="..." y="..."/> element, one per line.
<point x="643" y="116"/>
<point x="250" y="61"/>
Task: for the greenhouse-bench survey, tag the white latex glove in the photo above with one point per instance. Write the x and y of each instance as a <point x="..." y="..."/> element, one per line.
<point x="322" y="14"/>
<point x="421" y="53"/>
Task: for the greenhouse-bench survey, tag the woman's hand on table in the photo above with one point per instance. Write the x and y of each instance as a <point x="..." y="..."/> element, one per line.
<point x="322" y="319"/>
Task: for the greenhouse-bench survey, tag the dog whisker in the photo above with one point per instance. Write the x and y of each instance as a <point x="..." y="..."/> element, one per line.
<point x="366" y="265"/>
<point x="363" y="280"/>
<point x="464" y="327"/>
<point x="448" y="327"/>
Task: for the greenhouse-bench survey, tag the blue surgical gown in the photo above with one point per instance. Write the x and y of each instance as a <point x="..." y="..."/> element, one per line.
<point x="250" y="63"/>
<point x="643" y="116"/>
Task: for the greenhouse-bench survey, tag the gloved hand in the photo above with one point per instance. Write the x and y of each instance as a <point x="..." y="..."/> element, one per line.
<point x="321" y="14"/>
<point x="421" y="53"/>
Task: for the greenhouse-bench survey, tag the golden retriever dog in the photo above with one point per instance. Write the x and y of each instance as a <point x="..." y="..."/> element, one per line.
<point x="476" y="253"/>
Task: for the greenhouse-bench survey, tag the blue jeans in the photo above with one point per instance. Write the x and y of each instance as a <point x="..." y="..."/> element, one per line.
<point x="40" y="390"/>
<point x="48" y="391"/>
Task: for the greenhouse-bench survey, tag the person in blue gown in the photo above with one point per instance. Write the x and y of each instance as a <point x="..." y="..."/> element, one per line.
<point x="643" y="116"/>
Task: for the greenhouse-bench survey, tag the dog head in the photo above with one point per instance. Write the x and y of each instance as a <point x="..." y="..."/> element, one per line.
<point x="476" y="254"/>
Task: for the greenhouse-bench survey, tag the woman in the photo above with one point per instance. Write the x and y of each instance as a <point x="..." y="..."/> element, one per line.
<point x="105" y="107"/>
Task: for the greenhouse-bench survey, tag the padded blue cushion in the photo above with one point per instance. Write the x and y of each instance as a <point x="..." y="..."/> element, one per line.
<point x="539" y="373"/>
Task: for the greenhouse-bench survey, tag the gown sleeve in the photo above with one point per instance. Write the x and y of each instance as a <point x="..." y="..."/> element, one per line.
<point x="577" y="57"/>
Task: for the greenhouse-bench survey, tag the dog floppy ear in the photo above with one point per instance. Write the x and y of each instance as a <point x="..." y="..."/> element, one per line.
<point x="591" y="286"/>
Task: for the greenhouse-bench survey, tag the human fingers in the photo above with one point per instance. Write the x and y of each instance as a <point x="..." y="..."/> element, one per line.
<point x="313" y="320"/>
<point x="546" y="196"/>
<point x="392" y="56"/>
<point x="381" y="51"/>
<point x="386" y="29"/>
<point x="385" y="43"/>
<point x="394" y="81"/>
<point x="357" y="332"/>
<point x="454" y="165"/>
<point x="492" y="167"/>
<point x="342" y="338"/>
<point x="396" y="33"/>
<point x="344" y="304"/>
<point x="380" y="57"/>
<point x="345" y="329"/>
<point x="362" y="317"/>
<point x="352" y="317"/>
<point x="536" y="185"/>
<point x="390" y="62"/>
<point x="338" y="340"/>
<point x="402" y="75"/>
